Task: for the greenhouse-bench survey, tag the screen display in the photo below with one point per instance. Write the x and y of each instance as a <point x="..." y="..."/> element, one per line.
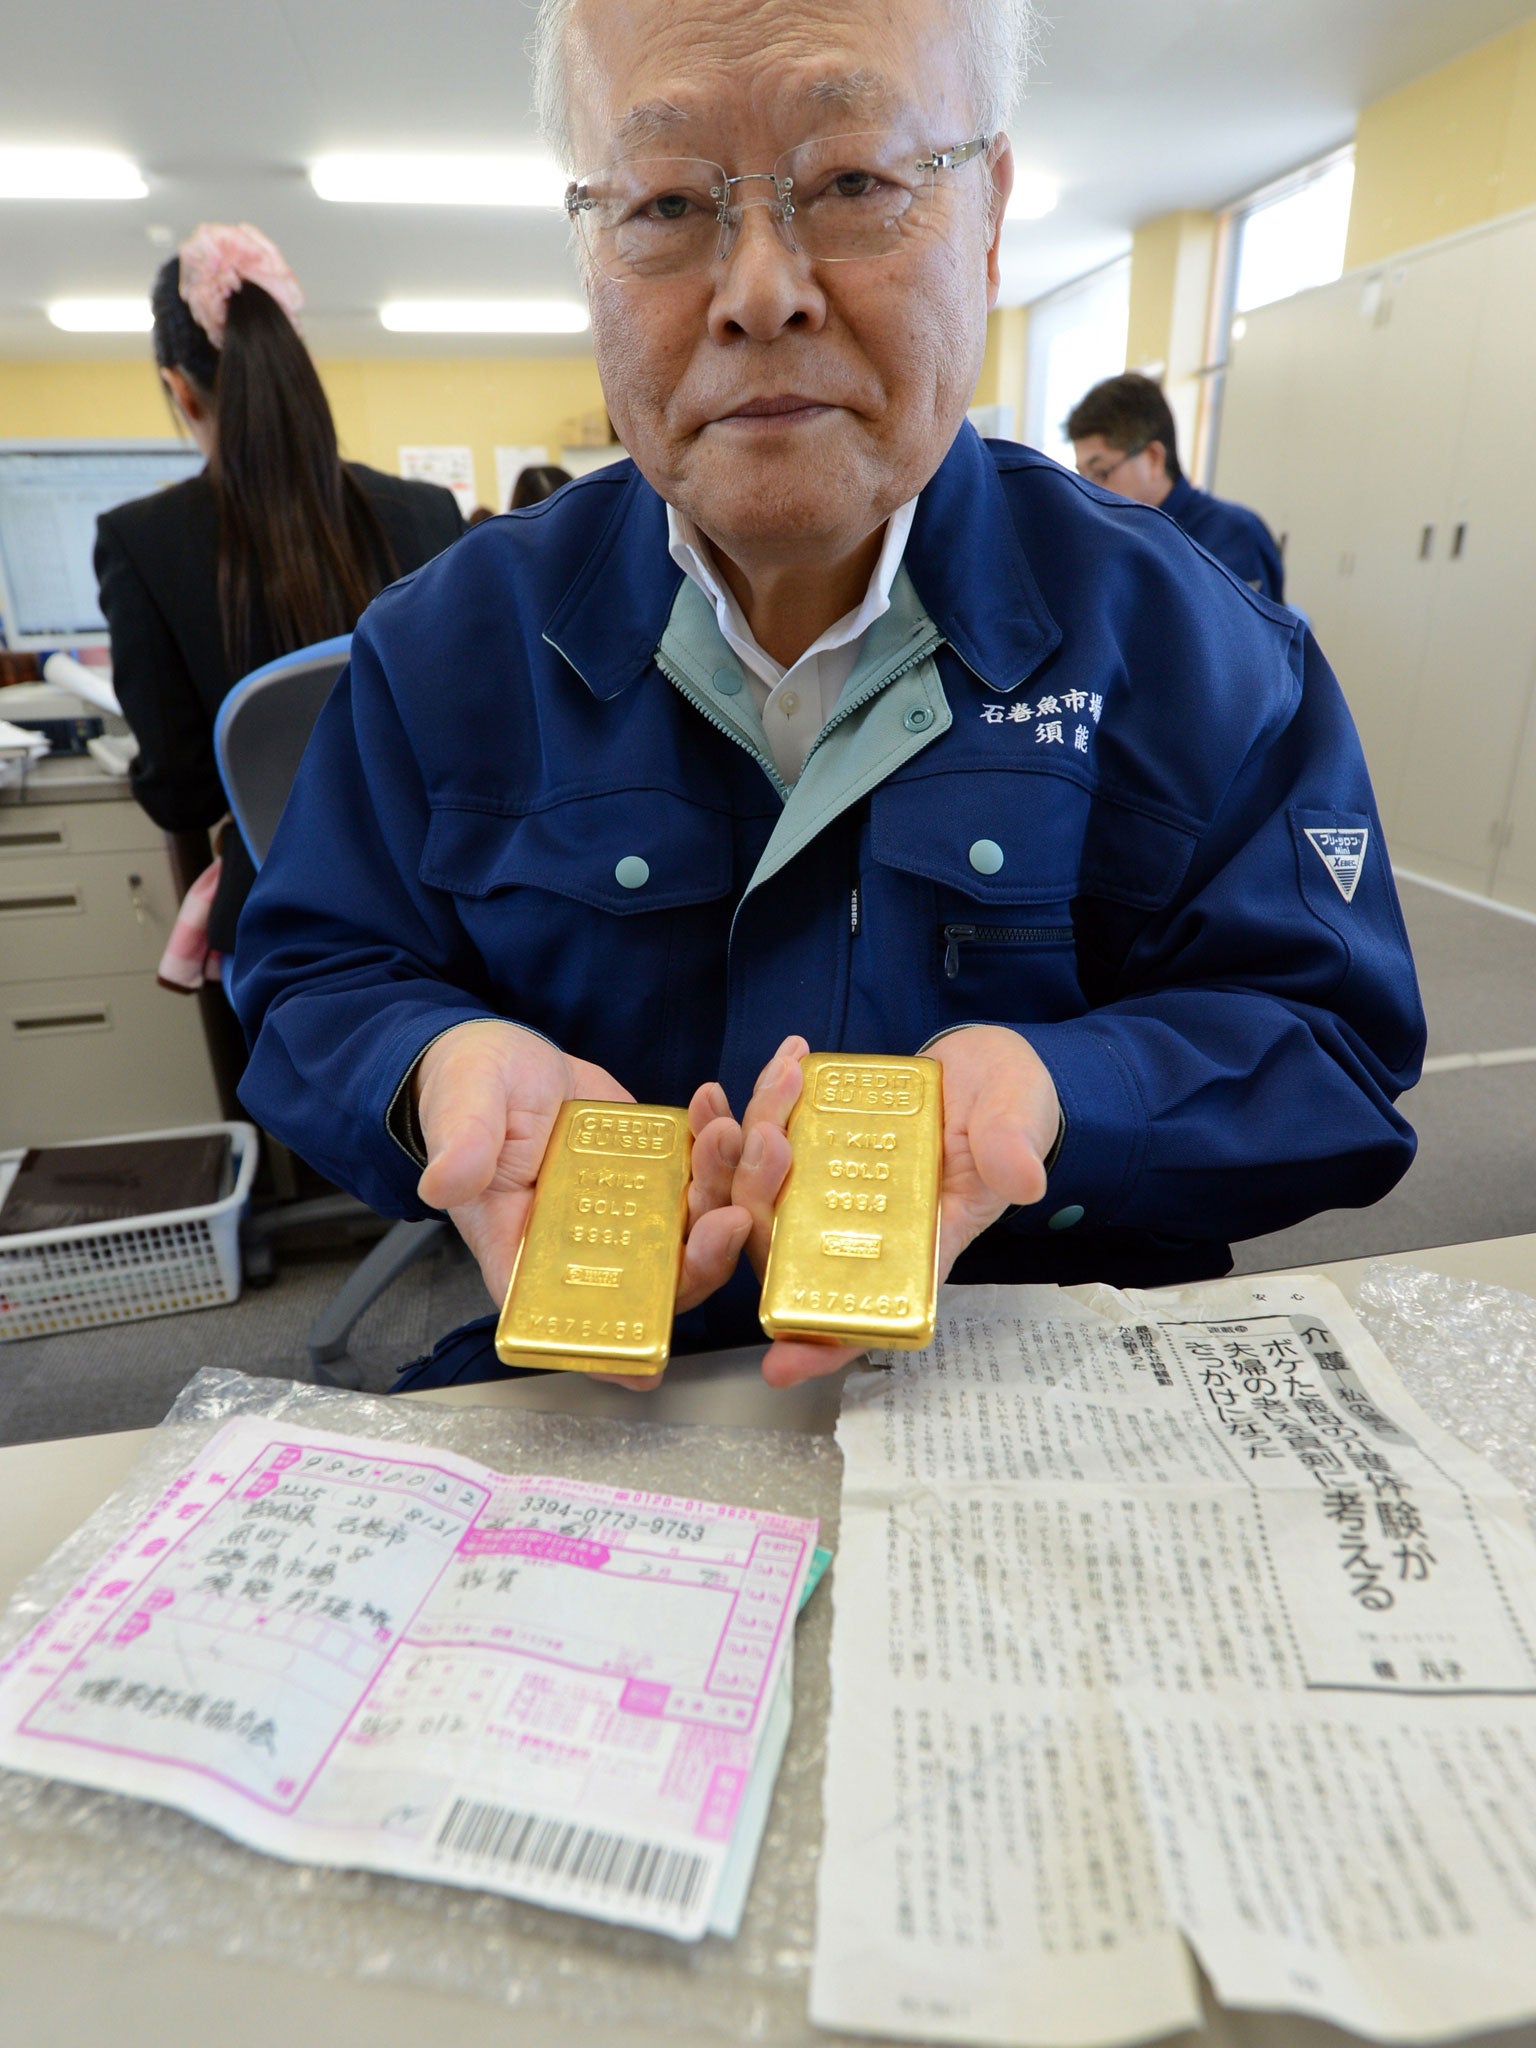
<point x="50" y="497"/>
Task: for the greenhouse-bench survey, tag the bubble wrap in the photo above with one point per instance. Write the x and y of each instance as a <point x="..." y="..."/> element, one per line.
<point x="1466" y="1351"/>
<point x="141" y="1871"/>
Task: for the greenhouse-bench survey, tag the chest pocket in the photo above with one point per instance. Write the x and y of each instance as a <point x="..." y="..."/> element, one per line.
<point x="602" y="922"/>
<point x="626" y="852"/>
<point x="1010" y="859"/>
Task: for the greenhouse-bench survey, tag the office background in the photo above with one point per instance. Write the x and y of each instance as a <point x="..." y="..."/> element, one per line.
<point x="1439" y="153"/>
<point x="1151" y="142"/>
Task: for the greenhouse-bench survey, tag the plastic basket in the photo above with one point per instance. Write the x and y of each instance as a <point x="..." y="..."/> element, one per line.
<point x="54" y="1280"/>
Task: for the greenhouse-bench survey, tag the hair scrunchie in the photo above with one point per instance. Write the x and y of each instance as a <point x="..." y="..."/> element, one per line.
<point x="216" y="259"/>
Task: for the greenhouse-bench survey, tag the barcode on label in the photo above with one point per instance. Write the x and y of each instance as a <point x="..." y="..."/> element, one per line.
<point x="615" y="1865"/>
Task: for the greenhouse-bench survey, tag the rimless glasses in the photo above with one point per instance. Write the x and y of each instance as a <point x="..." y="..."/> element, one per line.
<point x="837" y="199"/>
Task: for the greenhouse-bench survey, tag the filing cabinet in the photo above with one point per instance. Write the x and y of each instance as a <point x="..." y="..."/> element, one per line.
<point x="89" y="1042"/>
<point x="1378" y="424"/>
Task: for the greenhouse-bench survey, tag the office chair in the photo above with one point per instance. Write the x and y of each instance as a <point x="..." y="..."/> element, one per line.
<point x="259" y="738"/>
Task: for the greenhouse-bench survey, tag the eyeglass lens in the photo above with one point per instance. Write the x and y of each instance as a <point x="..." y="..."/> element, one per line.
<point x="839" y="198"/>
<point x="1102" y="472"/>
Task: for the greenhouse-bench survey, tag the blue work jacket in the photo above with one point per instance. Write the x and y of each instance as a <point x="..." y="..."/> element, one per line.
<point x="1130" y="819"/>
<point x="1232" y="534"/>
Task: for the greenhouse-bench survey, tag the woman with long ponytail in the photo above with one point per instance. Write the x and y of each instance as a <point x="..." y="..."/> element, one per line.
<point x="277" y="544"/>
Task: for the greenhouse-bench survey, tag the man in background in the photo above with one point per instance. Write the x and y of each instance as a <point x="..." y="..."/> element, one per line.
<point x="1123" y="437"/>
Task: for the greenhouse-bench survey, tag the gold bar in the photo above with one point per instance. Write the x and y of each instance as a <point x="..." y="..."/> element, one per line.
<point x="855" y="1252"/>
<point x="595" y="1277"/>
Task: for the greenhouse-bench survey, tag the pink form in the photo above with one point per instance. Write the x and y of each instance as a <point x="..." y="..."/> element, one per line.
<point x="282" y="1586"/>
<point x="403" y="1661"/>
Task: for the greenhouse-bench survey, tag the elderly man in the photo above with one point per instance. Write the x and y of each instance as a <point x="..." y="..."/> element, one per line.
<point x="821" y="723"/>
<point x="1123" y="437"/>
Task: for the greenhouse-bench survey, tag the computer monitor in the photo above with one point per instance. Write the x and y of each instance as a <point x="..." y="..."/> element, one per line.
<point x="50" y="495"/>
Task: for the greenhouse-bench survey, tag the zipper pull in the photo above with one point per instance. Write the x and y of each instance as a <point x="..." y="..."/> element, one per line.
<point x="955" y="936"/>
<point x="853" y="912"/>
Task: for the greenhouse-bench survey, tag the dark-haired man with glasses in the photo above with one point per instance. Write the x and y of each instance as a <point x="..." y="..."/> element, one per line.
<point x="820" y="722"/>
<point x="1124" y="438"/>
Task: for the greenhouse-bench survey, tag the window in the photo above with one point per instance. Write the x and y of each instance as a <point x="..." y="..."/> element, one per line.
<point x="1291" y="236"/>
<point x="1076" y="338"/>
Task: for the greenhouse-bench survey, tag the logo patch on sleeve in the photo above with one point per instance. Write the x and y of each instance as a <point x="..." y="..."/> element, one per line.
<point x="1342" y="852"/>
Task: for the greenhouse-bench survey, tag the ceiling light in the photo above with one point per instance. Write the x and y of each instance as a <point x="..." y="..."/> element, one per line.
<point x="1032" y="197"/>
<point x="386" y="179"/>
<point x="68" y="174"/>
<point x="102" y="316"/>
<point x="484" y="316"/>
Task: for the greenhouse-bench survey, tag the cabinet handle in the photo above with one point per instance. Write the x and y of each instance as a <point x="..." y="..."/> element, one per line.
<point x="50" y="899"/>
<point x="1426" y="543"/>
<point x="61" y="1020"/>
<point x="15" y="840"/>
<point x="1458" y="541"/>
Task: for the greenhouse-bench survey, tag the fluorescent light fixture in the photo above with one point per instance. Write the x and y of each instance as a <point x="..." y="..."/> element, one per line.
<point x="68" y="174"/>
<point x="1033" y="196"/>
<point x="386" y="179"/>
<point x="484" y="316"/>
<point x="102" y="316"/>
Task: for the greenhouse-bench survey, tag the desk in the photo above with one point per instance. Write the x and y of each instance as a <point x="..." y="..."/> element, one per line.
<point x="89" y="1044"/>
<point x="63" y="1988"/>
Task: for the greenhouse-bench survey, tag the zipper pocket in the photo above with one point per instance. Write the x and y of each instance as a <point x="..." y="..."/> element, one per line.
<point x="958" y="935"/>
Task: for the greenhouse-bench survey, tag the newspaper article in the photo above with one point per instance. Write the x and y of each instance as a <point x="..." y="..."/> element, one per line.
<point x="1172" y="1625"/>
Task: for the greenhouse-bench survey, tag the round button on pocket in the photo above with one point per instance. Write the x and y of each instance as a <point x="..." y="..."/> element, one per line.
<point x="986" y="856"/>
<point x="632" y="872"/>
<point x="918" y="719"/>
<point x="1065" y="1218"/>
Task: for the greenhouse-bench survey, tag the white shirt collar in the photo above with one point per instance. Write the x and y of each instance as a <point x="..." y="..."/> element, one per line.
<point x="689" y="549"/>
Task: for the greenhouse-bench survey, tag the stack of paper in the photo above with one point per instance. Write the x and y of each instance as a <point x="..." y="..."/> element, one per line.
<point x="19" y="748"/>
<point x="395" y="1659"/>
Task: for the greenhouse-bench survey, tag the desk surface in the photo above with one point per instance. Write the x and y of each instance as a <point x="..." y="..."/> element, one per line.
<point x="65" y="779"/>
<point x="63" y="1988"/>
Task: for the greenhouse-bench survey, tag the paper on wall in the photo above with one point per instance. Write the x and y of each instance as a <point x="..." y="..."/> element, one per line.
<point x="510" y="464"/>
<point x="452" y="467"/>
<point x="399" y="1660"/>
<point x="1167" y="1618"/>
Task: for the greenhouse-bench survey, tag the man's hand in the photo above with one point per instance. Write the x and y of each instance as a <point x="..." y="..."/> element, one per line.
<point x="487" y="1095"/>
<point x="1001" y="1117"/>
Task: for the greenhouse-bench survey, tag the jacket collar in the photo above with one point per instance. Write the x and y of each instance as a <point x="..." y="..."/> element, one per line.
<point x="970" y="571"/>
<point x="1179" y="498"/>
<point x="612" y="617"/>
<point x="963" y="556"/>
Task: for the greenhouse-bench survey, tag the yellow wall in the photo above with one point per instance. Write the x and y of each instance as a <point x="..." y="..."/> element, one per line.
<point x="1172" y="259"/>
<point x="380" y="404"/>
<point x="1455" y="147"/>
<point x="91" y="398"/>
<point x="1002" y="371"/>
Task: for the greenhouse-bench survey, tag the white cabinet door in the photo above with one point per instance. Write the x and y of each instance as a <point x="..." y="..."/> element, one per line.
<point x="1255" y="446"/>
<point x="1501" y="529"/>
<point x="1514" y="878"/>
<point x="1402" y="435"/>
<point x="1465" y="734"/>
<point x="1344" y="405"/>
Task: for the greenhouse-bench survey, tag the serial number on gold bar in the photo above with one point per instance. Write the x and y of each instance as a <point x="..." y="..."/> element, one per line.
<point x="855" y="1251"/>
<point x="595" y="1278"/>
